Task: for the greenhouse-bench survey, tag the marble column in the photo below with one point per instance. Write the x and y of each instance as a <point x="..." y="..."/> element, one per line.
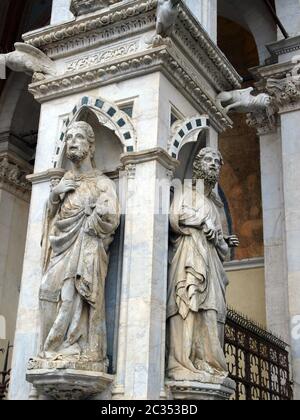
<point x="280" y="154"/>
<point x="14" y="206"/>
<point x="276" y="292"/>
<point x="289" y="14"/>
<point x="140" y="374"/>
<point x="60" y="11"/>
<point x="291" y="175"/>
<point x="206" y="12"/>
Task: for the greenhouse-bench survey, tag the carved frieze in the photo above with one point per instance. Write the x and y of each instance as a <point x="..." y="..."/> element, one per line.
<point x="99" y="57"/>
<point x="80" y="7"/>
<point x="126" y="20"/>
<point x="181" y="73"/>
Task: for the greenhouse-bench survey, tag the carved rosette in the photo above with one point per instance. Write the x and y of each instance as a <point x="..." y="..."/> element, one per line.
<point x="13" y="177"/>
<point x="80" y="7"/>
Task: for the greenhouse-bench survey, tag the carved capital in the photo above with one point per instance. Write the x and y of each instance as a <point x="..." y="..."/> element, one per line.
<point x="264" y="122"/>
<point x="285" y="92"/>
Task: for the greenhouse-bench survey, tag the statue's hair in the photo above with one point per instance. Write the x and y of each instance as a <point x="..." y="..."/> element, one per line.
<point x="89" y="133"/>
<point x="207" y="150"/>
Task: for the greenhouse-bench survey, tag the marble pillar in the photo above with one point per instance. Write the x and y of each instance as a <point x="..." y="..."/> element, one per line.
<point x="14" y="206"/>
<point x="289" y="14"/>
<point x="61" y="11"/>
<point x="274" y="233"/>
<point x="280" y="153"/>
<point x="291" y="173"/>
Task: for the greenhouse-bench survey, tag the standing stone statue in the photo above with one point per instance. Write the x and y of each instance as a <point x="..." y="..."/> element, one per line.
<point x="82" y="216"/>
<point x="196" y="307"/>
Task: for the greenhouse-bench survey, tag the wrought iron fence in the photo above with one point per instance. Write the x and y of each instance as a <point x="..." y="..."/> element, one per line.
<point x="257" y="360"/>
<point x="4" y="371"/>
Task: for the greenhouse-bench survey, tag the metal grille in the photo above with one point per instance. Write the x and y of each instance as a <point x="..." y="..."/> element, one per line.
<point x="4" y="372"/>
<point x="257" y="361"/>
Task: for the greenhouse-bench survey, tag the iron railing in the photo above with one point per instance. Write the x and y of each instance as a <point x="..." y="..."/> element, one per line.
<point x="257" y="361"/>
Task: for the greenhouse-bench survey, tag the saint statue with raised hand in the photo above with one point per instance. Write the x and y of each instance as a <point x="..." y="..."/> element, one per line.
<point x="196" y="307"/>
<point x="82" y="216"/>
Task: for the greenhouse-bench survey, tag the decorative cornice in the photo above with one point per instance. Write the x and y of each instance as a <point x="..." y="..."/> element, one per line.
<point x="176" y="69"/>
<point x="45" y="176"/>
<point x="284" y="46"/>
<point x="13" y="177"/>
<point x="158" y="154"/>
<point x="84" y="26"/>
<point x="127" y="18"/>
<point x="191" y="24"/>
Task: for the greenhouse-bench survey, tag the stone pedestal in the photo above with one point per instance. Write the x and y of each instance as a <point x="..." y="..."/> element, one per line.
<point x="220" y="391"/>
<point x="68" y="384"/>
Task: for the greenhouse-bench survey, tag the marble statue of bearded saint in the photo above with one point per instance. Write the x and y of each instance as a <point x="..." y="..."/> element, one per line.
<point x="82" y="216"/>
<point x="196" y="307"/>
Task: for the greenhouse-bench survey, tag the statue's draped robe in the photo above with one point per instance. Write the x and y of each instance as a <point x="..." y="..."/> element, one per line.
<point x="75" y="246"/>
<point x="196" y="307"/>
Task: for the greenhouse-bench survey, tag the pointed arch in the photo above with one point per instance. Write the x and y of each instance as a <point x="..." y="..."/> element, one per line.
<point x="108" y="115"/>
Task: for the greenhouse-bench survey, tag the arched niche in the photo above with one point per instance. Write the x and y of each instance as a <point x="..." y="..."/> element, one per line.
<point x="115" y="133"/>
<point x="187" y="138"/>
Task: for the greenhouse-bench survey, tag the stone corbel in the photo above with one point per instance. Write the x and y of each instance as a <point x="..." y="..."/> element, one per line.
<point x="13" y="177"/>
<point x="263" y="122"/>
<point x="285" y="92"/>
<point x="260" y="109"/>
<point x="242" y="101"/>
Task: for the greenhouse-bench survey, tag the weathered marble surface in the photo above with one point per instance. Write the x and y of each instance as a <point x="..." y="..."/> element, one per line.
<point x="81" y="217"/>
<point x="217" y="390"/>
<point x="196" y="305"/>
<point x="243" y="101"/>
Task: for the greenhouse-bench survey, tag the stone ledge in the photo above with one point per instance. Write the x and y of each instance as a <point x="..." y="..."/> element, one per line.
<point x="69" y="384"/>
<point x="149" y="155"/>
<point x="186" y="390"/>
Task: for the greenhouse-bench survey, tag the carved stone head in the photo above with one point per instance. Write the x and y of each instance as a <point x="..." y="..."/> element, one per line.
<point x="80" y="141"/>
<point x="207" y="165"/>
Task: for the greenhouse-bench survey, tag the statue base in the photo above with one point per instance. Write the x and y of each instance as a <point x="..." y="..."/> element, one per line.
<point x="68" y="384"/>
<point x="197" y="391"/>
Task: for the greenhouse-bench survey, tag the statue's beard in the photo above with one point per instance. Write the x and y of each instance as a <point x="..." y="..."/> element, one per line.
<point x="77" y="156"/>
<point x="209" y="176"/>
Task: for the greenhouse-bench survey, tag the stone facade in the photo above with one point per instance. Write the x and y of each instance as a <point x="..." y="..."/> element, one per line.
<point x="110" y="64"/>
